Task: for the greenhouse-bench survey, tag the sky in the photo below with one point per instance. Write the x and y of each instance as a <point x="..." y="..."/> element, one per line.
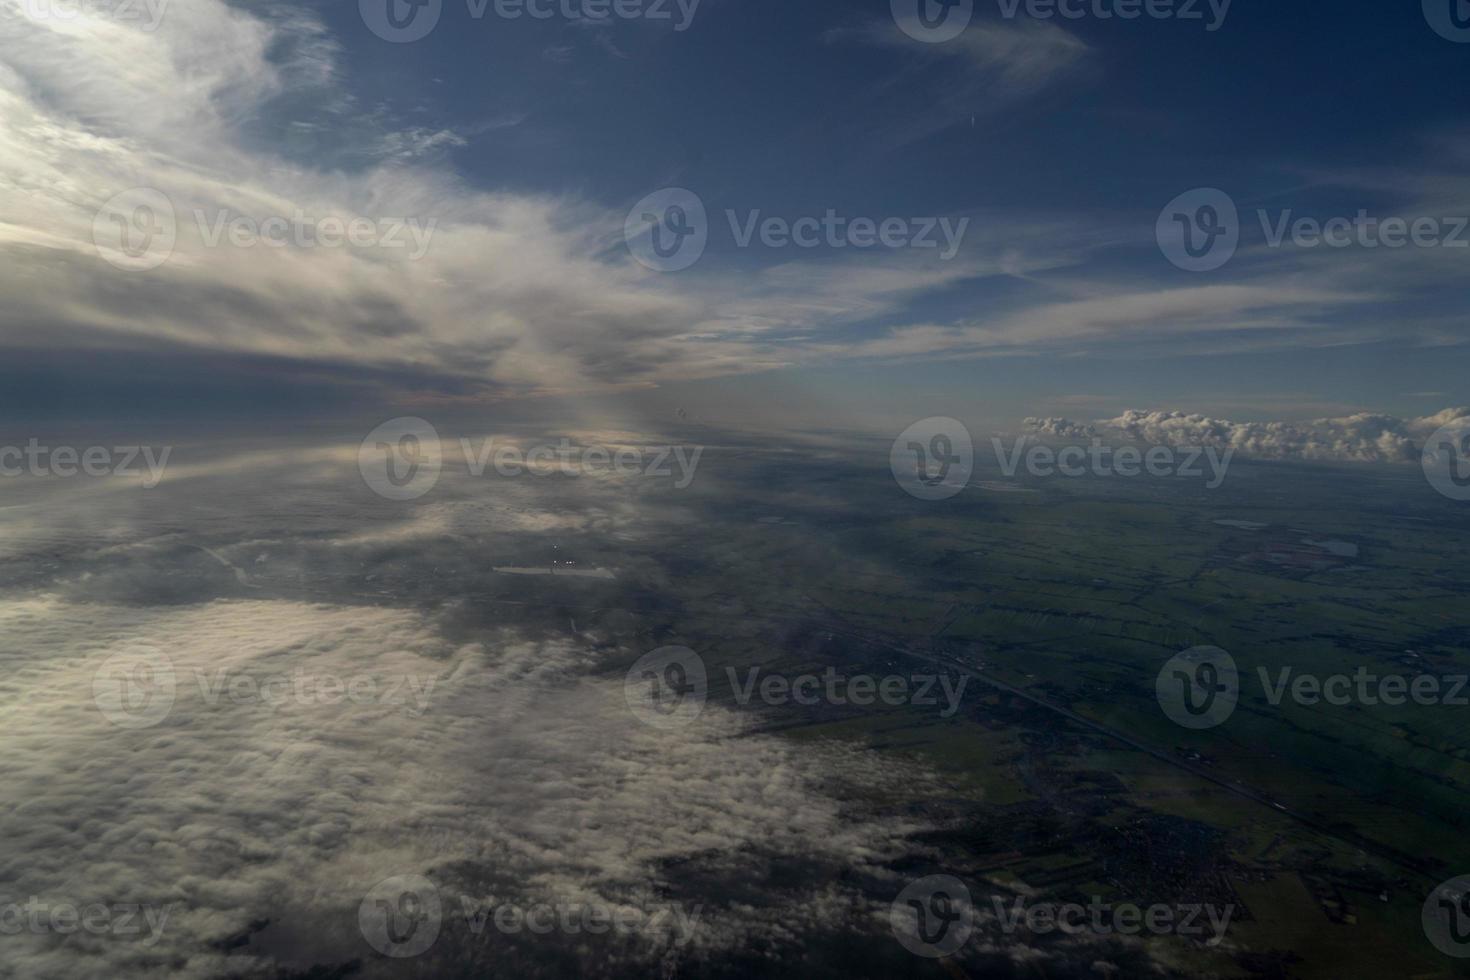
<point x="171" y="173"/>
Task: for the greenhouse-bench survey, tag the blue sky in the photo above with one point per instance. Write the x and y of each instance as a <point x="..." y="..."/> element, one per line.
<point x="521" y="144"/>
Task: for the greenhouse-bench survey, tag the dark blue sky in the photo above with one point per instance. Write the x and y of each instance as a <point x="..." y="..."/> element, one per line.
<point x="1058" y="142"/>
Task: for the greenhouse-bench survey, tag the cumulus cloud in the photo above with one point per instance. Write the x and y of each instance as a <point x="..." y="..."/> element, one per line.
<point x="1061" y="428"/>
<point x="1365" y="437"/>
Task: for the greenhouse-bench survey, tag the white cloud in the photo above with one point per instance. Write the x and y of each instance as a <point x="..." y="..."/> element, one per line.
<point x="523" y="764"/>
<point x="1365" y="437"/>
<point x="523" y="293"/>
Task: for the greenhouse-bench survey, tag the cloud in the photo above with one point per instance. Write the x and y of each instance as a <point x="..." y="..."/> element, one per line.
<point x="988" y="68"/>
<point x="513" y="293"/>
<point x="247" y="114"/>
<point x="522" y="764"/>
<point x="1109" y="317"/>
<point x="1016" y="59"/>
<point x="519" y="772"/>
<point x="1023" y="57"/>
<point x="1060" y="428"/>
<point x="1365" y="437"/>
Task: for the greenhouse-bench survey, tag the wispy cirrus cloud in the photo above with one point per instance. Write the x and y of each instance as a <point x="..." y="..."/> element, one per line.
<point x="520" y="293"/>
